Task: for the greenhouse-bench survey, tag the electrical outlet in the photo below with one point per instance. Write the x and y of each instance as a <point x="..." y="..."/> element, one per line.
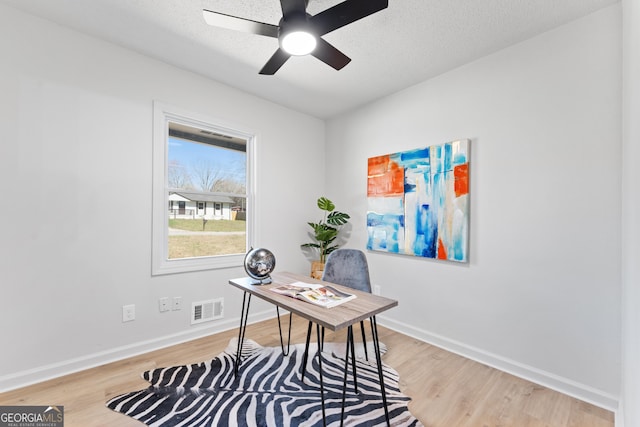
<point x="128" y="313"/>
<point x="377" y="290"/>
<point x="163" y="304"/>
<point x="177" y="303"/>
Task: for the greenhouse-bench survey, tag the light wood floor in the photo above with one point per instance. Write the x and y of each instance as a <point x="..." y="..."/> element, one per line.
<point x="447" y="390"/>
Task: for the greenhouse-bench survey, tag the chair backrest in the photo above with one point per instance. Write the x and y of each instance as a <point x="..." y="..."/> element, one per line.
<point x="348" y="267"/>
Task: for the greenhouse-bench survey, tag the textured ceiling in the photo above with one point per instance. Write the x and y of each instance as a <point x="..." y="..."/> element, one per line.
<point x="409" y="42"/>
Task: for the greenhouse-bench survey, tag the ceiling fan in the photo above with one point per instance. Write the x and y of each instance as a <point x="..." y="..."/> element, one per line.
<point x="299" y="33"/>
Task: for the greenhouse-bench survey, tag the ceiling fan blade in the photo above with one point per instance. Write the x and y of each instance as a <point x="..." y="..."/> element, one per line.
<point x="293" y="7"/>
<point x="239" y="24"/>
<point x="345" y="13"/>
<point x="275" y="62"/>
<point x="328" y="54"/>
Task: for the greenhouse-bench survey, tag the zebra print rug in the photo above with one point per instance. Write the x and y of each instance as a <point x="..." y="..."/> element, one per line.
<point x="268" y="391"/>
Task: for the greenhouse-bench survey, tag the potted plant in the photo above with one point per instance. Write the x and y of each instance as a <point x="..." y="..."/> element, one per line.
<point x="325" y="233"/>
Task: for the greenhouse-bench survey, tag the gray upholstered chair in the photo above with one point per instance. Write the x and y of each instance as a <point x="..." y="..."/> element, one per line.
<point x="348" y="267"/>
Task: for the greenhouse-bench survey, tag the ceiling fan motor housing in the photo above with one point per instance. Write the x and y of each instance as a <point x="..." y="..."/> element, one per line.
<point x="296" y="35"/>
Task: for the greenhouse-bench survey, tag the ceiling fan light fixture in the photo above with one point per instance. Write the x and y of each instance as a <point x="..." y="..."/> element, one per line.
<point x="298" y="42"/>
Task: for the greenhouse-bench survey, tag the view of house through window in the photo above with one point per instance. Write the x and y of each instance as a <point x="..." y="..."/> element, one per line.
<point x="207" y="193"/>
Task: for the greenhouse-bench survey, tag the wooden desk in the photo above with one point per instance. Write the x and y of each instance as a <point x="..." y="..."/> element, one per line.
<point x="364" y="306"/>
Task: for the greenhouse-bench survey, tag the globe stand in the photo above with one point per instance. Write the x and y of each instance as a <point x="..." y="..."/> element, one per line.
<point x="264" y="281"/>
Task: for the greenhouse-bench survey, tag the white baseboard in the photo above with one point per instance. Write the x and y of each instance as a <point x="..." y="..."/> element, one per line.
<point x="55" y="370"/>
<point x="529" y="373"/>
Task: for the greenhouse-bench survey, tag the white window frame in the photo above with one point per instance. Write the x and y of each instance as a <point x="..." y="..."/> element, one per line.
<point x="160" y="262"/>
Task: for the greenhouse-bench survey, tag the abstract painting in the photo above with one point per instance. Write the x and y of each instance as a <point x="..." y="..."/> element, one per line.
<point x="418" y="202"/>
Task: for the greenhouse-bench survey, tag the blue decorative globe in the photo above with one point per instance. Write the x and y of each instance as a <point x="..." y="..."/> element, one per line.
<point x="259" y="263"/>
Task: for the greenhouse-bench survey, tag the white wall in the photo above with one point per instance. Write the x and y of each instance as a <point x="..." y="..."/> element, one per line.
<point x="76" y="121"/>
<point x="540" y="296"/>
<point x="630" y="409"/>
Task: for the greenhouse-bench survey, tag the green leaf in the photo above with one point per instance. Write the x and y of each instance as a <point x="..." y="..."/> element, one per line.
<point x="330" y="249"/>
<point x="310" y="245"/>
<point x="320" y="227"/>
<point x="327" y="234"/>
<point x="326" y="204"/>
<point x="338" y="218"/>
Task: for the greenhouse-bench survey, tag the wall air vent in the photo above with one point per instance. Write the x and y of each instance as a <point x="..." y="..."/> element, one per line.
<point x="204" y="311"/>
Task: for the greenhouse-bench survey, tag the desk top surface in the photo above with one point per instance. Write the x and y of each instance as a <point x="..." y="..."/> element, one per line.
<point x="364" y="306"/>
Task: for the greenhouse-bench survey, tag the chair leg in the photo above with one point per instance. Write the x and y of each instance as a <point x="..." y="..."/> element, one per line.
<point x="364" y="341"/>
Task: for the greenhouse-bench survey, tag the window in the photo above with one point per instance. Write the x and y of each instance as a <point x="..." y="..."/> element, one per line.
<point x="201" y="193"/>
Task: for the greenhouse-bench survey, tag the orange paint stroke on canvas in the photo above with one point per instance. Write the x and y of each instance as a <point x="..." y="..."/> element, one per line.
<point x="461" y="179"/>
<point x="385" y="177"/>
<point x="442" y="251"/>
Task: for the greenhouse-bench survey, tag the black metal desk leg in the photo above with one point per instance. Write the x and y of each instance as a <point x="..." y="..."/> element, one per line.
<point x="346" y="371"/>
<point x="353" y="361"/>
<point x="244" y="316"/>
<point x="324" y="416"/>
<point x="305" y="356"/>
<point x="306" y="347"/>
<point x="376" y="346"/>
<point x="364" y="341"/>
<point x="285" y="353"/>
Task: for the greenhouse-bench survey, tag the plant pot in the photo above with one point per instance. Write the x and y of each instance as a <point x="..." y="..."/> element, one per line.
<point x="317" y="269"/>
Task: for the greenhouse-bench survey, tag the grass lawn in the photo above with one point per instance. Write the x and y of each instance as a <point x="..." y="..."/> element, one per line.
<point x="198" y="246"/>
<point x="195" y="245"/>
<point x="211" y="225"/>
